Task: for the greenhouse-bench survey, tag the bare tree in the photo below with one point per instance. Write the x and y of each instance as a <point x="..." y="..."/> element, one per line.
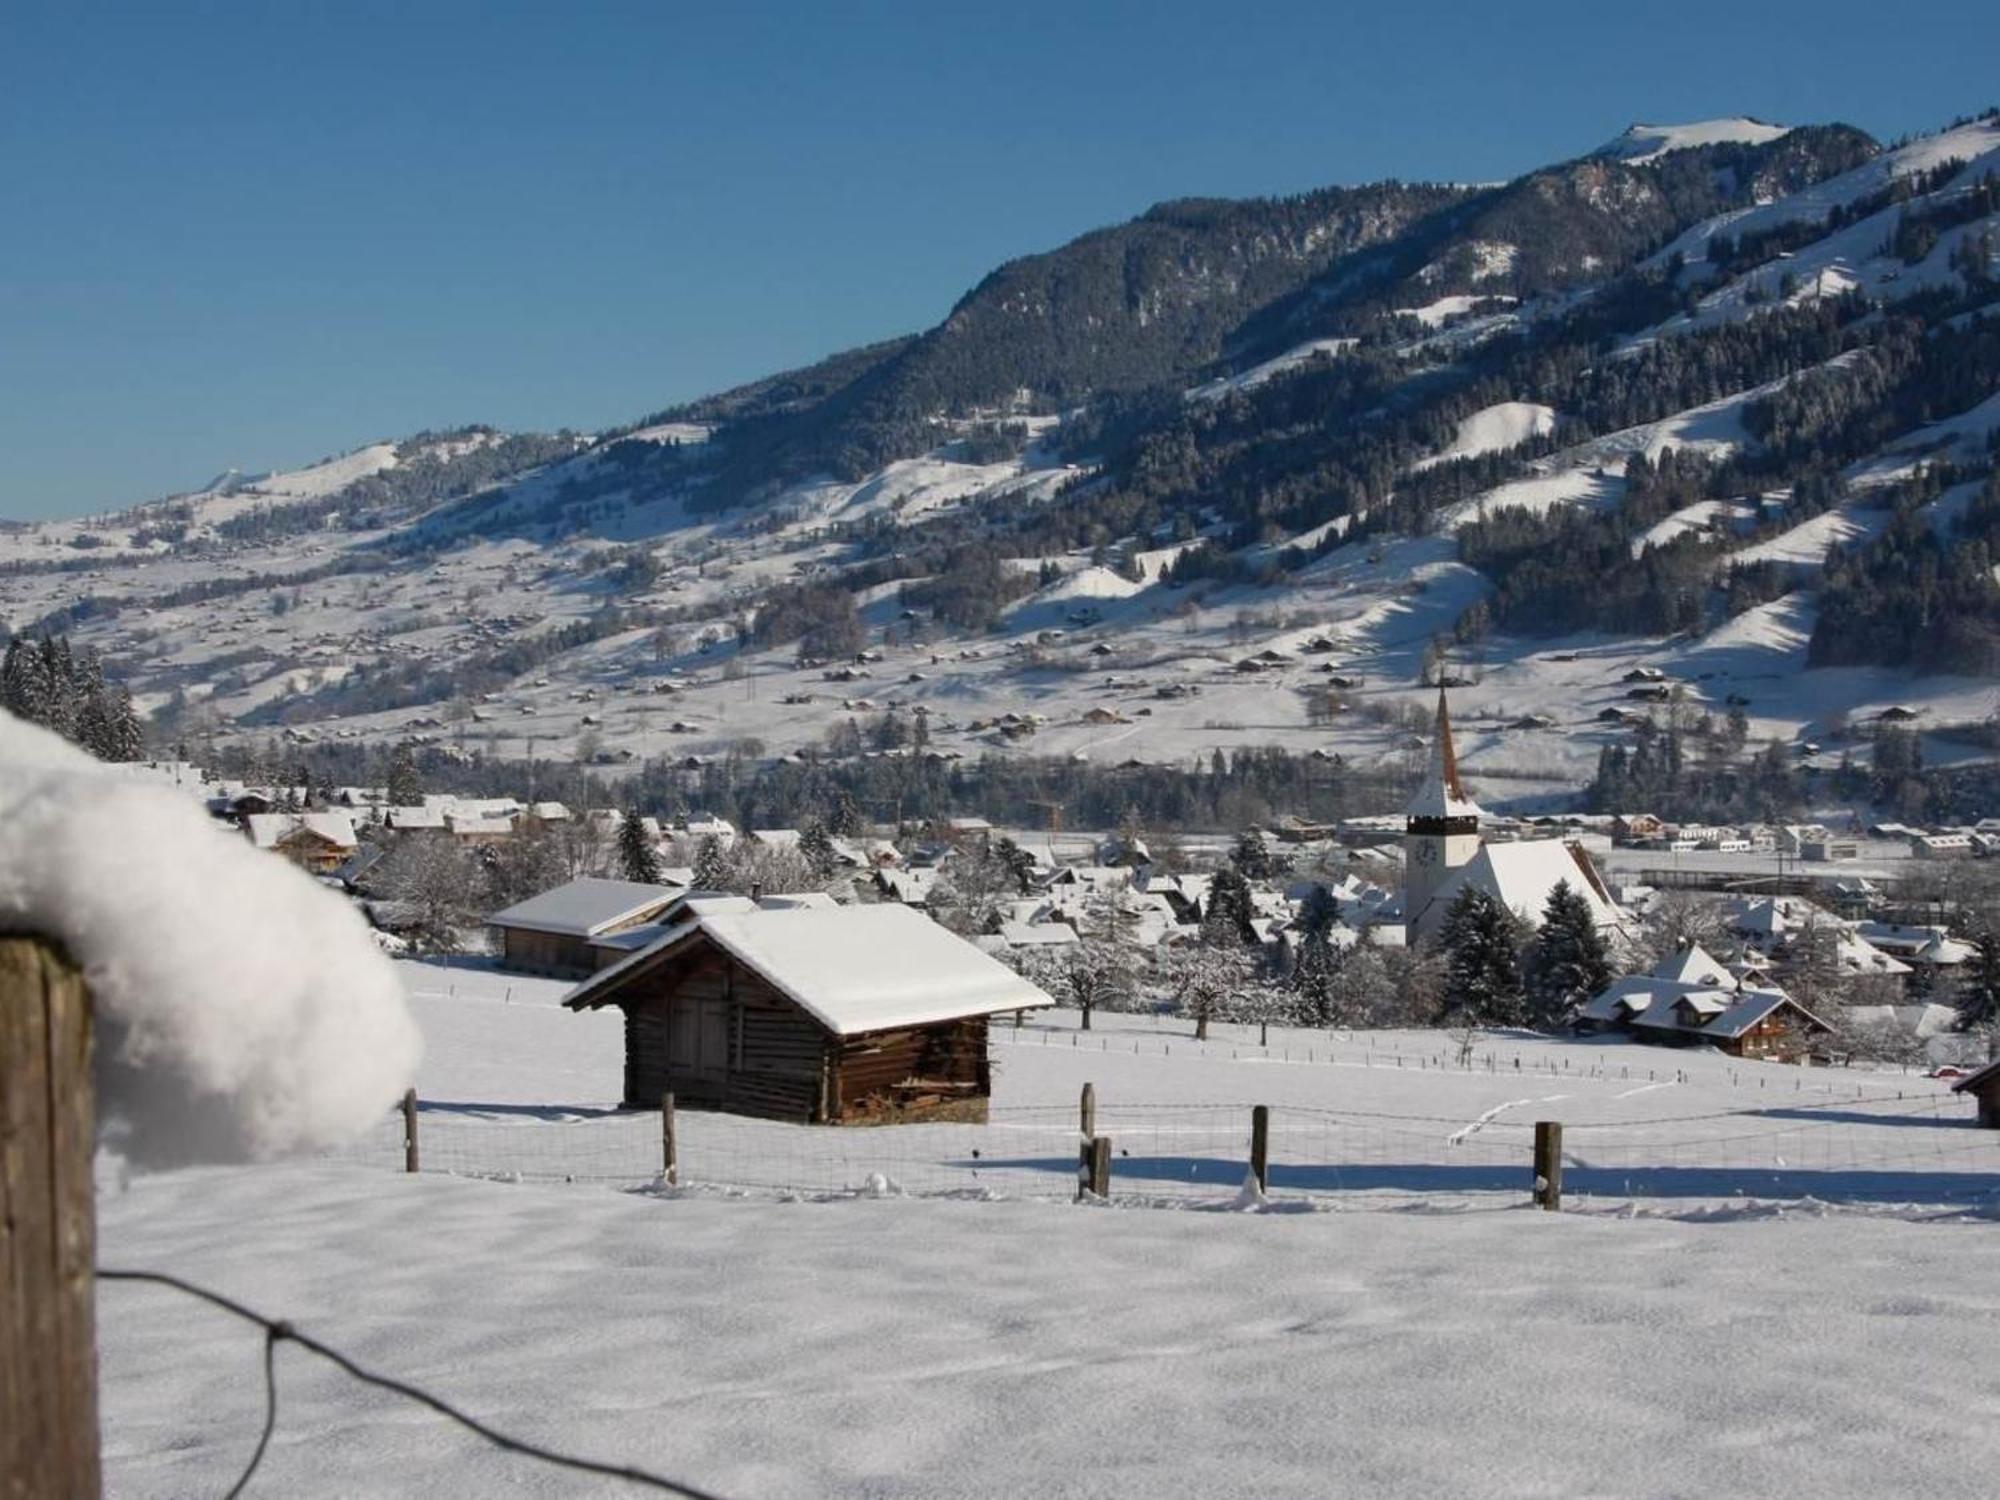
<point x="439" y="883"/>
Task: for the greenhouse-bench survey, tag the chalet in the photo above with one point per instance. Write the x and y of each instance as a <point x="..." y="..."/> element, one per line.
<point x="318" y="841"/>
<point x="1636" y="828"/>
<point x="552" y="933"/>
<point x="1689" y="999"/>
<point x="1644" y="674"/>
<point x="1984" y="1086"/>
<point x="1650" y="692"/>
<point x="848" y="1015"/>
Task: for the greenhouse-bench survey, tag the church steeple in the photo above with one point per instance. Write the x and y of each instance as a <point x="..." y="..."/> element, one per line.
<point x="1439" y="797"/>
<point x="1440" y="834"/>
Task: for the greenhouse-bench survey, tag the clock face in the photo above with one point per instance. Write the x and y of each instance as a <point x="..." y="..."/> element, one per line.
<point x="1425" y="853"/>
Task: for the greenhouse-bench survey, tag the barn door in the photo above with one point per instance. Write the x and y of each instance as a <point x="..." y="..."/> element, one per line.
<point x="698" y="1040"/>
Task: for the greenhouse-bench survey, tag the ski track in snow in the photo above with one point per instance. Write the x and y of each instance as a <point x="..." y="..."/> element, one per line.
<point x="1644" y="1088"/>
<point x="1461" y="1136"/>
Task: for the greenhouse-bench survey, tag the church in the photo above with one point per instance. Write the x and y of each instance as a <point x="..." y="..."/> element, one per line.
<point x="1444" y="852"/>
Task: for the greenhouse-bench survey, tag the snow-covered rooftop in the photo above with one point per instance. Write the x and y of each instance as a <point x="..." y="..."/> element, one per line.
<point x="585" y="906"/>
<point x="853" y="969"/>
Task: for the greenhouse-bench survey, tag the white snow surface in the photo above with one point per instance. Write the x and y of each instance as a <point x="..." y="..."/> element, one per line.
<point x="1492" y="429"/>
<point x="1247" y="1345"/>
<point x="242" y="1011"/>
<point x="1643" y="143"/>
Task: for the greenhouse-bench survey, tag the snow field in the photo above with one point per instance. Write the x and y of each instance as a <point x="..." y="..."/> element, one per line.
<point x="517" y="1088"/>
<point x="978" y="1342"/>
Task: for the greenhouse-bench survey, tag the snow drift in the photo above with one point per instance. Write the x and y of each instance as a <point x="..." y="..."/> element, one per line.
<point x="242" y="1011"/>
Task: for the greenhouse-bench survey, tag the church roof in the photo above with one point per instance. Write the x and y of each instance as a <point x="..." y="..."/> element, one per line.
<point x="1440" y="795"/>
<point x="1520" y="876"/>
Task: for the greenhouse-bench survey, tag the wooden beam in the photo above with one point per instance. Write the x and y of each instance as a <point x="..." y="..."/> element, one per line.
<point x="48" y="1229"/>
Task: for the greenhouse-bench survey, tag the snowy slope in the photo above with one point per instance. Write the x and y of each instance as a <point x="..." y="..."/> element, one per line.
<point x="1643" y="143"/>
<point x="1493" y="429"/>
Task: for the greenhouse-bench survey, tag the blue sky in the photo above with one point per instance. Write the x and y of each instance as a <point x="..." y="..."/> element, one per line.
<point x="253" y="235"/>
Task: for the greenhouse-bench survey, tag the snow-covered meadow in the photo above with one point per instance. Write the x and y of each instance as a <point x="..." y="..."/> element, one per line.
<point x="1402" y="1324"/>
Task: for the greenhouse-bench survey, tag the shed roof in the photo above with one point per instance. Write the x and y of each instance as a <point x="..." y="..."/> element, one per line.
<point x="585" y="906"/>
<point x="854" y="969"/>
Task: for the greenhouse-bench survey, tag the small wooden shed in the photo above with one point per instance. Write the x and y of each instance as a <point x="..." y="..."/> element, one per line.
<point x="813" y="1014"/>
<point x="1984" y="1086"/>
<point x="553" y="933"/>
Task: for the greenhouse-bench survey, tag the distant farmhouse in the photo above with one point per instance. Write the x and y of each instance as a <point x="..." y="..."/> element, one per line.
<point x="553" y="933"/>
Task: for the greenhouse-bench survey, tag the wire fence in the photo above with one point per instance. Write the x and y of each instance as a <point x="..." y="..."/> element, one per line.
<point x="1885" y="1151"/>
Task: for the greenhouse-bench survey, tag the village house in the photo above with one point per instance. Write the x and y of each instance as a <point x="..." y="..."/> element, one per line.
<point x="317" y="841"/>
<point x="1689" y="999"/>
<point x="552" y="933"/>
<point x="841" y="1015"/>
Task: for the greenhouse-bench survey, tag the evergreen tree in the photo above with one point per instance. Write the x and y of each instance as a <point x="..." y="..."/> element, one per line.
<point x="638" y="860"/>
<point x="1252" y="856"/>
<point x="711" y="865"/>
<point x="816" y="849"/>
<point x="406" y="788"/>
<point x="1570" y="962"/>
<point x="845" y="819"/>
<point x="1483" y="966"/>
<point x="1313" y="979"/>
<point x="1979" y="991"/>
<point x="1226" y="921"/>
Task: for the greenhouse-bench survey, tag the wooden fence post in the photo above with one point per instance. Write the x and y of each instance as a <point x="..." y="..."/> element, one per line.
<point x="1260" y="1145"/>
<point x="669" y="1144"/>
<point x="1548" y="1164"/>
<point x="48" y="1227"/>
<point x="1087" y="1112"/>
<point x="409" y="1130"/>
<point x="1100" y="1166"/>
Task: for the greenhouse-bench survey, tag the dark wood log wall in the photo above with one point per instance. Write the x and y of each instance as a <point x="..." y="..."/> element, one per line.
<point x="781" y="1063"/>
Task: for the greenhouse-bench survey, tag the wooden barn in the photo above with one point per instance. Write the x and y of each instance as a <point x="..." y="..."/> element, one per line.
<point x="553" y="933"/>
<point x="817" y="1015"/>
<point x="1984" y="1087"/>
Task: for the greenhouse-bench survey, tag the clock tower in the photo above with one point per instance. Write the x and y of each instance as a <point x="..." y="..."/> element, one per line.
<point x="1440" y="831"/>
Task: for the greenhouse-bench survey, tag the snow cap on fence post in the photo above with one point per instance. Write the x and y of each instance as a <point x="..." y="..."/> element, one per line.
<point x="242" y="1010"/>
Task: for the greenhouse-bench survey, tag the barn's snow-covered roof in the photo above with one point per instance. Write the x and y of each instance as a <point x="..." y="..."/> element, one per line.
<point x="585" y="906"/>
<point x="853" y="969"/>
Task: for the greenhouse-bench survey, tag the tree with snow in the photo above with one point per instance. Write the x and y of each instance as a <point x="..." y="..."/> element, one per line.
<point x="439" y="883"/>
<point x="816" y="849"/>
<point x="844" y="820"/>
<point x="1979" y="986"/>
<point x="1252" y="856"/>
<point x="1204" y="978"/>
<point x="638" y="860"/>
<point x="406" y="787"/>
<point x="711" y="865"/>
<point x="1570" y="963"/>
<point x="1225" y="921"/>
<point x="1481" y="942"/>
<point x="1088" y="974"/>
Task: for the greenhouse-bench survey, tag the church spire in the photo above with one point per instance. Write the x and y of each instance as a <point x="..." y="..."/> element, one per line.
<point x="1440" y="795"/>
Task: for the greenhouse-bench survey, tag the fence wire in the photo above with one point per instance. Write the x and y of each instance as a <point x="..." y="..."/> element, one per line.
<point x="1907" y="1151"/>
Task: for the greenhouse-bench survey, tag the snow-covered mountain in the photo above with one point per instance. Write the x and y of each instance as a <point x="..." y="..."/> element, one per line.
<point x="1233" y="474"/>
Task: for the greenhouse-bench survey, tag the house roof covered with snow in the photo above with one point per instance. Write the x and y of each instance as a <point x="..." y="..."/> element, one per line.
<point x="586" y="907"/>
<point x="269" y="830"/>
<point x="854" y="969"/>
